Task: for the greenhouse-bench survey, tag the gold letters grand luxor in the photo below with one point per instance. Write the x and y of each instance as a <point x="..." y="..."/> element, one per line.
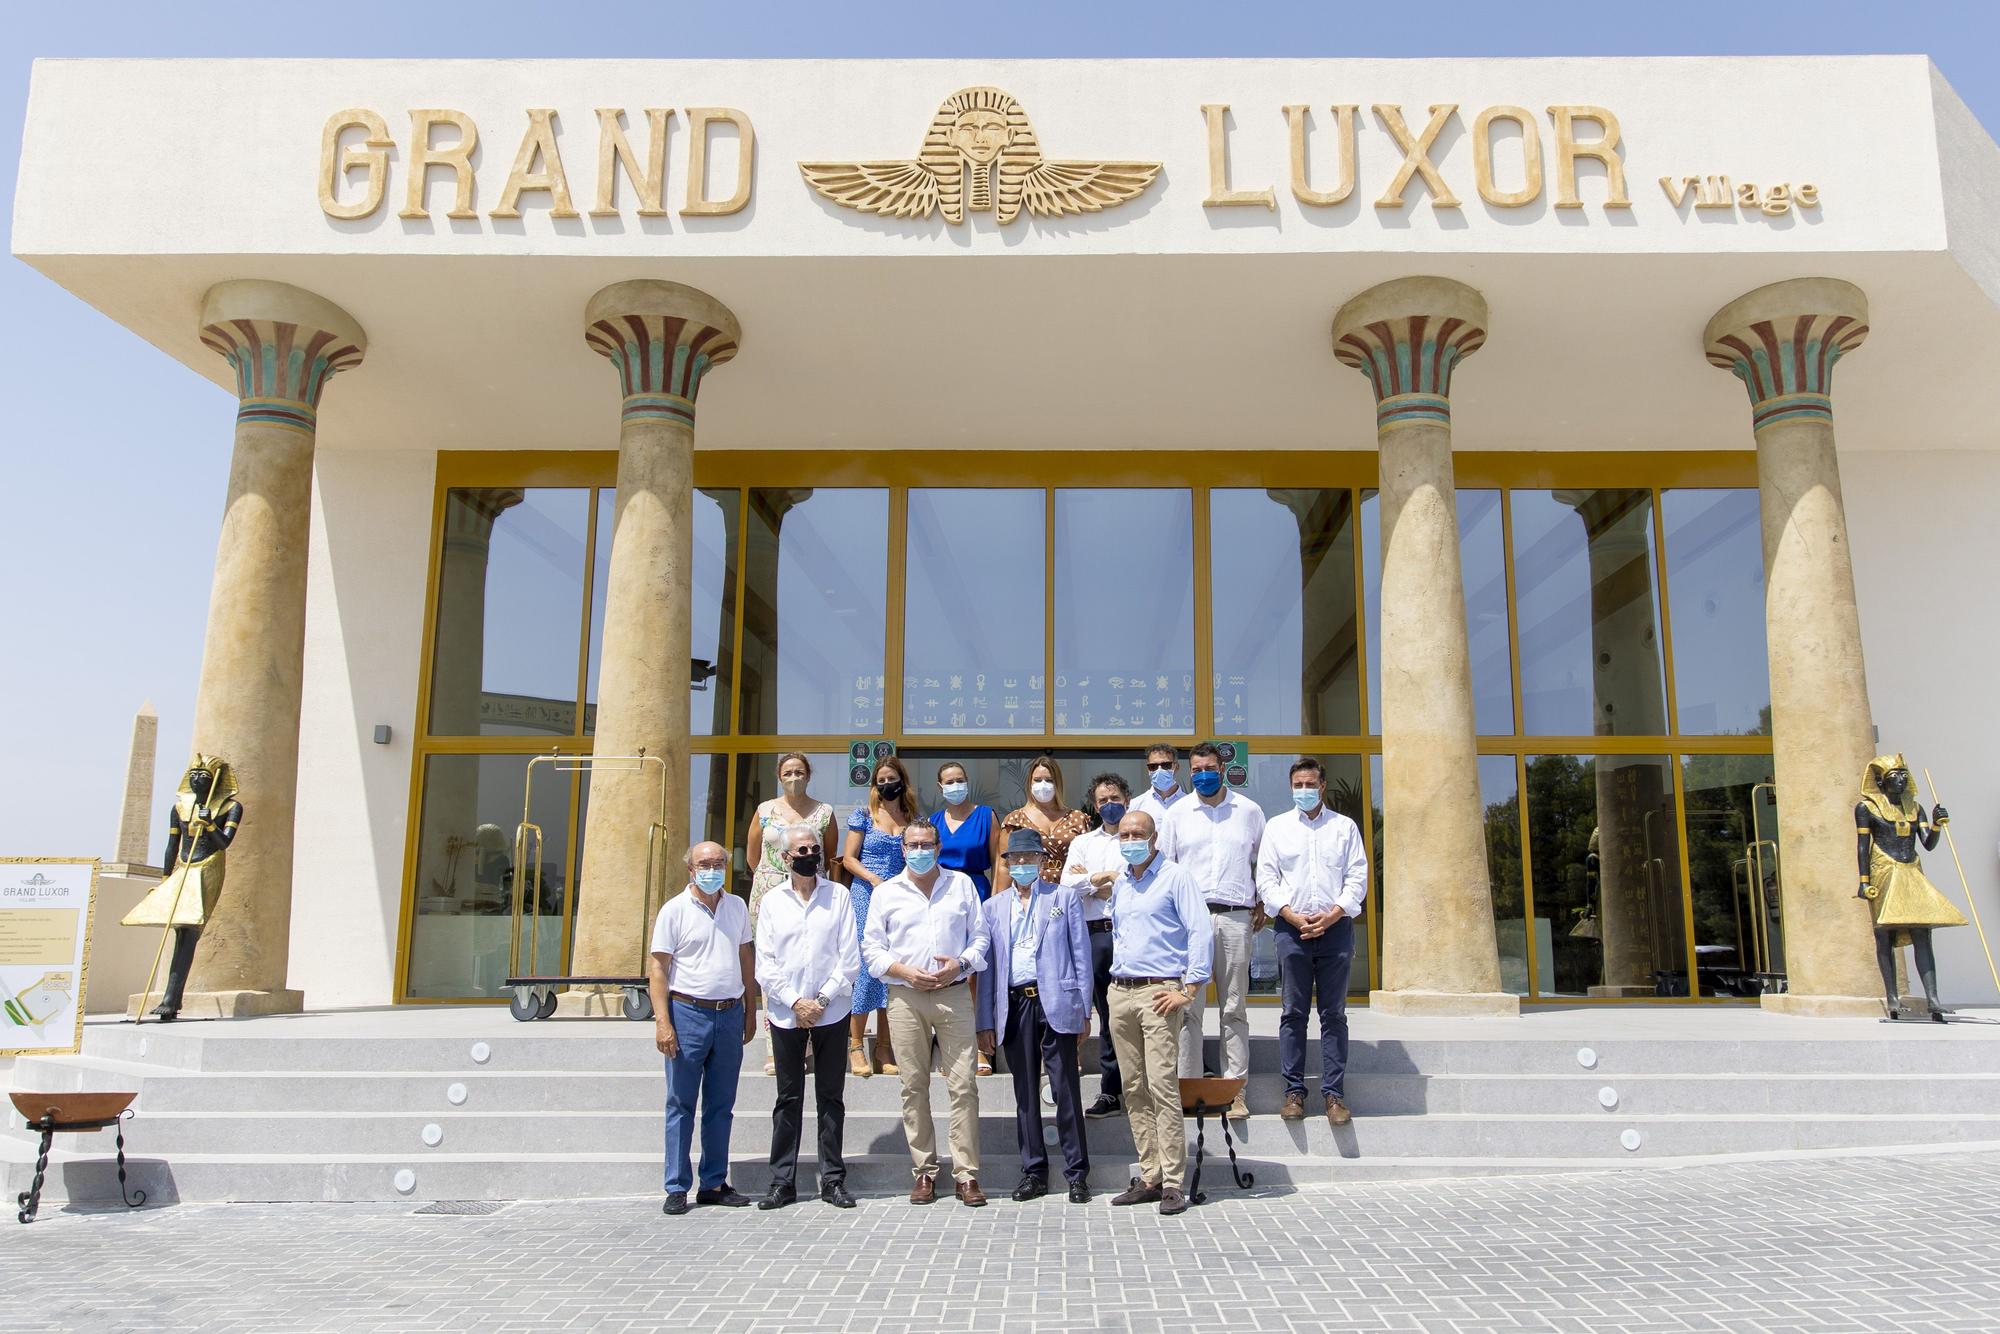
<point x="978" y="134"/>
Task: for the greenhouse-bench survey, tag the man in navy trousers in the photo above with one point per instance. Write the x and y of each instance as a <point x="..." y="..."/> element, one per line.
<point x="1035" y="998"/>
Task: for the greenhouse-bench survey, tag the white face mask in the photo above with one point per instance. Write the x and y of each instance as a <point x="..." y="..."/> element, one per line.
<point x="1043" y="790"/>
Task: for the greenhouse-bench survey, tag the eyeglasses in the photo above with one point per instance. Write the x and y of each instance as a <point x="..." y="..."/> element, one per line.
<point x="712" y="866"/>
<point x="1167" y="764"/>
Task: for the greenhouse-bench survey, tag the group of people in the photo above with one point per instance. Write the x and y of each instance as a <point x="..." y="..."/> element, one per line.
<point x="1124" y="907"/>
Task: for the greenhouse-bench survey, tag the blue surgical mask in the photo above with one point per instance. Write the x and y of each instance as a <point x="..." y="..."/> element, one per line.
<point x="1111" y="814"/>
<point x="1305" y="798"/>
<point x="1024" y="874"/>
<point x="1208" y="782"/>
<point x="1135" y="853"/>
<point x="708" y="879"/>
<point x="1163" y="780"/>
<point x="955" y="792"/>
<point x="920" y="860"/>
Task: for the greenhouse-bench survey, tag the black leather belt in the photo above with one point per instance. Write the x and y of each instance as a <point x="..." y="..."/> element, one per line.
<point x="1025" y="990"/>
<point x="1134" y="983"/>
<point x="701" y="1004"/>
<point x="1098" y="927"/>
<point x="1226" y="907"/>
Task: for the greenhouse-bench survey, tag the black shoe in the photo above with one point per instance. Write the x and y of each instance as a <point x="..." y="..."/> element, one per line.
<point x="1079" y="1193"/>
<point x="1172" y="1201"/>
<point x="1106" y="1105"/>
<point x="725" y="1194"/>
<point x="835" y="1194"/>
<point x="779" y="1196"/>
<point x="677" y="1203"/>
<point x="1031" y="1188"/>
<point x="1137" y="1193"/>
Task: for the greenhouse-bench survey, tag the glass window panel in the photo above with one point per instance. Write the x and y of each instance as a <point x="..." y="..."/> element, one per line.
<point x="1715" y="582"/>
<point x="707" y="791"/>
<point x="1500" y="798"/>
<point x="1483" y="571"/>
<point x="1732" y="836"/>
<point x="816" y="598"/>
<point x="1124" y="665"/>
<point x="973" y="611"/>
<point x="466" y="874"/>
<point x="509" y="610"/>
<point x="1606" y="852"/>
<point x="1589" y="613"/>
<point x="1270" y="786"/>
<point x="712" y="607"/>
<point x="1281" y="574"/>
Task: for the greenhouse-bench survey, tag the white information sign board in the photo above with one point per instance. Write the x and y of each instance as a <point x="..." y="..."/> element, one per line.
<point x="46" y="906"/>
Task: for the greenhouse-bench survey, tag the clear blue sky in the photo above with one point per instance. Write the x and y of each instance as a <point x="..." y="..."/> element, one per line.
<point x="112" y="516"/>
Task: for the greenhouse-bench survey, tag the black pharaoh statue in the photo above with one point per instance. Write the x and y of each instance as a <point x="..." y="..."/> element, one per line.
<point x="1888" y="825"/>
<point x="199" y="832"/>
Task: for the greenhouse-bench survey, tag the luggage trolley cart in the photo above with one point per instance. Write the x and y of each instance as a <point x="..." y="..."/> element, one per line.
<point x="533" y="995"/>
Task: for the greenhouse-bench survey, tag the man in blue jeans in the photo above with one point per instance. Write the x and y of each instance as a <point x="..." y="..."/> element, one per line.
<point x="1312" y="875"/>
<point x="702" y="975"/>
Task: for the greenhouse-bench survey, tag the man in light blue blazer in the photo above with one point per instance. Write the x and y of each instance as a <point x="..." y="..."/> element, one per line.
<point x="1035" y="999"/>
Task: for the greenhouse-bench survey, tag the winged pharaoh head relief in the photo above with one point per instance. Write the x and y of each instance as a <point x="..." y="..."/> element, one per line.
<point x="978" y="135"/>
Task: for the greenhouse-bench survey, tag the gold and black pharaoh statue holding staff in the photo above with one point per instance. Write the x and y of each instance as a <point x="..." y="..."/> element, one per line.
<point x="203" y="824"/>
<point x="1888" y="825"/>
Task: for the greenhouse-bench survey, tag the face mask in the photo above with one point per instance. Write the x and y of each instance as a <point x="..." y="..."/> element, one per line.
<point x="794" y="787"/>
<point x="889" y="791"/>
<point x="806" y="863"/>
<point x="1024" y="875"/>
<point x="708" y="879"/>
<point x="1111" y="813"/>
<point x="1207" y="782"/>
<point x="955" y="792"/>
<point x="1305" y="798"/>
<point x="1043" y="791"/>
<point x="920" y="860"/>
<point x="1134" y="853"/>
<point x="1163" y="780"/>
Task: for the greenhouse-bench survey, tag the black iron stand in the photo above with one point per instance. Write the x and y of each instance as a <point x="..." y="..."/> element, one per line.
<point x="1244" y="1180"/>
<point x="30" y="1200"/>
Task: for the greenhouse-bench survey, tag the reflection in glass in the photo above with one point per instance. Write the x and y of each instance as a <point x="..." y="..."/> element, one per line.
<point x="1732" y="836"/>
<point x="1124" y="665"/>
<point x="1500" y="798"/>
<point x="1715" y="583"/>
<point x="1270" y="786"/>
<point x="466" y="875"/>
<point x="711" y="607"/>
<point x="1606" y="856"/>
<point x="1483" y="571"/>
<point x="509" y="608"/>
<point x="707" y="790"/>
<point x="973" y="622"/>
<point x="1281" y="572"/>
<point x="1588" y="606"/>
<point x="815" y="602"/>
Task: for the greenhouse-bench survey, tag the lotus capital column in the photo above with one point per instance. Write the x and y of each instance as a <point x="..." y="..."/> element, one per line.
<point x="1439" y="954"/>
<point x="662" y="338"/>
<point x="1782" y="342"/>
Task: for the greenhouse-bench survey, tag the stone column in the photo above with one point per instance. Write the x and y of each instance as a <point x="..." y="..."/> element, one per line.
<point x="663" y="338"/>
<point x="284" y="345"/>
<point x="1439" y="955"/>
<point x="1782" y="341"/>
<point x="135" y="815"/>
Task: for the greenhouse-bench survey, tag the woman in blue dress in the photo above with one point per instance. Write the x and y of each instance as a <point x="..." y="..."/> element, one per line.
<point x="873" y="854"/>
<point x="968" y="841"/>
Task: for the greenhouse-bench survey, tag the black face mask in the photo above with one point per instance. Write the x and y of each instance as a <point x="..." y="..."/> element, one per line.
<point x="806" y="863"/>
<point x="890" y="791"/>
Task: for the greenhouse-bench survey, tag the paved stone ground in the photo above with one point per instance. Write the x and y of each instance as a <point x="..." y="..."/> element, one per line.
<point x="1840" y="1244"/>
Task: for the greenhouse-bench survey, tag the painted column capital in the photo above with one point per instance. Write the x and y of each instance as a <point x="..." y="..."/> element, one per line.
<point x="1406" y="336"/>
<point x="663" y="337"/>
<point x="1782" y="341"/>
<point x="284" y="344"/>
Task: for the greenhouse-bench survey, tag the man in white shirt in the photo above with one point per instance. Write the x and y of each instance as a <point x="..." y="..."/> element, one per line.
<point x="699" y="972"/>
<point x="1312" y="875"/>
<point x="1215" y="838"/>
<point x="1164" y="791"/>
<point x="925" y="936"/>
<point x="1091" y="868"/>
<point x="807" y="960"/>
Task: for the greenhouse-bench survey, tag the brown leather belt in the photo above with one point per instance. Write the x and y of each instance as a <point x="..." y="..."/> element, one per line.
<point x="701" y="1004"/>
<point x="1133" y="983"/>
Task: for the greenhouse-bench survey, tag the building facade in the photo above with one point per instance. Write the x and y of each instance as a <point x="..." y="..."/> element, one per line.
<point x="1470" y="425"/>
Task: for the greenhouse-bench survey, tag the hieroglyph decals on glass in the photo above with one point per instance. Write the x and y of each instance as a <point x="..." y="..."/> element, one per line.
<point x="980" y="155"/>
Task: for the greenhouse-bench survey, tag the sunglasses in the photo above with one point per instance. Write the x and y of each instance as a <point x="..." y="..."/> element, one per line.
<point x="1168" y="765"/>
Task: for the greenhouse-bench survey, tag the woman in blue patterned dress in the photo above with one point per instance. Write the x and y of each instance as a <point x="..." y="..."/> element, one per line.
<point x="874" y="853"/>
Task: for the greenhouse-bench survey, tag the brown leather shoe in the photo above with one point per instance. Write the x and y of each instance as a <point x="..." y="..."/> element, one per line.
<point x="1337" y="1113"/>
<point x="1294" y="1108"/>
<point x="969" y="1193"/>
<point x="1239" y="1110"/>
<point x="1139" y="1192"/>
<point x="924" y="1191"/>
<point x="1173" y="1202"/>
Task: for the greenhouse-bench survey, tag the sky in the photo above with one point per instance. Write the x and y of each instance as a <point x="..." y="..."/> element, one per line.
<point x="111" y="517"/>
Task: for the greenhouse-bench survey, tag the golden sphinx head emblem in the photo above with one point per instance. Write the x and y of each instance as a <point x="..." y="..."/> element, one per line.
<point x="980" y="155"/>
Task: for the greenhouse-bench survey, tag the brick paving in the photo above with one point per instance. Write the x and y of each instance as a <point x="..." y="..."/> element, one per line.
<point x="1840" y="1244"/>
